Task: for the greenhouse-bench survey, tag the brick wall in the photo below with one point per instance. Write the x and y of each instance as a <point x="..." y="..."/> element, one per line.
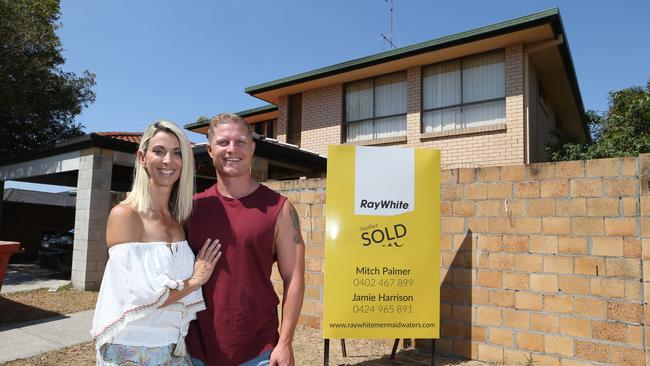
<point x="308" y="197"/>
<point x="283" y="116"/>
<point x="322" y="120"/>
<point x="541" y="259"/>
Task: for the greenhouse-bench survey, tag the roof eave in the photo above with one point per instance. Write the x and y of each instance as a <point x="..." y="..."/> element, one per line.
<point x="244" y="114"/>
<point x="74" y="144"/>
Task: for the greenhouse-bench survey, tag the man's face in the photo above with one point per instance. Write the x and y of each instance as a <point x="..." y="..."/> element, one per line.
<point x="231" y="149"/>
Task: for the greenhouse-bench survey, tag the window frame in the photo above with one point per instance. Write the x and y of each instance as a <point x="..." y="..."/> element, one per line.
<point x="461" y="104"/>
<point x="374" y="119"/>
<point x="267" y="128"/>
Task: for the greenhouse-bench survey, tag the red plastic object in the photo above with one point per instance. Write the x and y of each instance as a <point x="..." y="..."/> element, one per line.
<point x="7" y="248"/>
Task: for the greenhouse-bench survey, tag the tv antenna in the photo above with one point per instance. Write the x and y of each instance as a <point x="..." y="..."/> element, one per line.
<point x="389" y="38"/>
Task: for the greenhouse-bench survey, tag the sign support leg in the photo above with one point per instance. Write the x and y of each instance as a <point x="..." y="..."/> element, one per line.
<point x="343" y="351"/>
<point x="392" y="353"/>
<point x="326" y="353"/>
<point x="433" y="352"/>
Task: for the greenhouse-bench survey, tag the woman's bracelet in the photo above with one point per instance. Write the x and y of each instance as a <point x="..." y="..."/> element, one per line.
<point x="180" y="285"/>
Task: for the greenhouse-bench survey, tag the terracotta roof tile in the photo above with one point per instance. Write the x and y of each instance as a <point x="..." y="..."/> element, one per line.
<point x="124" y="136"/>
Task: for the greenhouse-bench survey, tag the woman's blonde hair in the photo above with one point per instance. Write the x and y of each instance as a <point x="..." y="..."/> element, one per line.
<point x="180" y="201"/>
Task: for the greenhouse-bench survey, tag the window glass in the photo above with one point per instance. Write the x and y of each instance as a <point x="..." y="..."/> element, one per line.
<point x="464" y="93"/>
<point x="358" y="100"/>
<point x="390" y="126"/>
<point x="376" y="108"/>
<point x="484" y="114"/>
<point x="442" y="120"/>
<point x="484" y="77"/>
<point x="390" y="95"/>
<point x="441" y="85"/>
<point x="358" y="131"/>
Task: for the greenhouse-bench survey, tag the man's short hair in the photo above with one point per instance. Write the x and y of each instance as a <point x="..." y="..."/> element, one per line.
<point x="225" y="118"/>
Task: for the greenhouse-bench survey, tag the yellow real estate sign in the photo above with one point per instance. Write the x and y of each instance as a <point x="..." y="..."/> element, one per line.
<point x="382" y="246"/>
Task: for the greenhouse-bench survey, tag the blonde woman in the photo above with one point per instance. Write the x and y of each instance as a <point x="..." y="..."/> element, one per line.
<point x="151" y="288"/>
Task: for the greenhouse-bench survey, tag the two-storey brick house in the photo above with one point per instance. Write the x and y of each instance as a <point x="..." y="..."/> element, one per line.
<point x="488" y="96"/>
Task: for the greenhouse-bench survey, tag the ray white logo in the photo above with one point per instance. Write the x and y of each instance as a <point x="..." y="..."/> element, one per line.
<point x="384" y="181"/>
<point x="383" y="204"/>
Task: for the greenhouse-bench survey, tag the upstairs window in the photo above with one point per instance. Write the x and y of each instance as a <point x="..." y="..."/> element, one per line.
<point x="464" y="93"/>
<point x="265" y="128"/>
<point x="376" y="108"/>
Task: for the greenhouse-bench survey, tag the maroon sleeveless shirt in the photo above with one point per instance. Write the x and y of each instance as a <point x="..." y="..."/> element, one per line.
<point x="241" y="319"/>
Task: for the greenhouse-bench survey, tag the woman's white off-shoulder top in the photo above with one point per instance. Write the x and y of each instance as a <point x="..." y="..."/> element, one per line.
<point x="137" y="281"/>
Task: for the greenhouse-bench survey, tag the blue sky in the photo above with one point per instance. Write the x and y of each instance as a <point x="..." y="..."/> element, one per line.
<point x="179" y="60"/>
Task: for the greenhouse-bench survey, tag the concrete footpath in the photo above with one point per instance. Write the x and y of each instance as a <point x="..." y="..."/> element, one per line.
<point x="31" y="338"/>
<point x="25" y="277"/>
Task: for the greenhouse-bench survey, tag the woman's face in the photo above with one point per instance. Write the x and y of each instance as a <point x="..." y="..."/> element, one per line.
<point x="163" y="160"/>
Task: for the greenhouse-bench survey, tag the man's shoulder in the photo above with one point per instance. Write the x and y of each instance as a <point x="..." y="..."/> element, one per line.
<point x="264" y="187"/>
<point x="205" y="201"/>
<point x="207" y="193"/>
<point x="270" y="193"/>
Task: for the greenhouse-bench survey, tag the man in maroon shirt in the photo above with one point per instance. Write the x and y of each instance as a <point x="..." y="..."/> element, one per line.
<point x="256" y="227"/>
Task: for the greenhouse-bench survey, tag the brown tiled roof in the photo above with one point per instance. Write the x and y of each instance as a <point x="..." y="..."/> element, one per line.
<point x="124" y="136"/>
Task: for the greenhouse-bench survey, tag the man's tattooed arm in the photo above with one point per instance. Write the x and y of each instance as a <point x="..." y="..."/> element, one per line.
<point x="295" y="222"/>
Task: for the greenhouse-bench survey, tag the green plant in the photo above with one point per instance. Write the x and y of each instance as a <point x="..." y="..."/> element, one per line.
<point x="624" y="130"/>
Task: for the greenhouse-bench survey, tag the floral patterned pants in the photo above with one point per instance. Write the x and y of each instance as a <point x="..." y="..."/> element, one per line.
<point x="121" y="355"/>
